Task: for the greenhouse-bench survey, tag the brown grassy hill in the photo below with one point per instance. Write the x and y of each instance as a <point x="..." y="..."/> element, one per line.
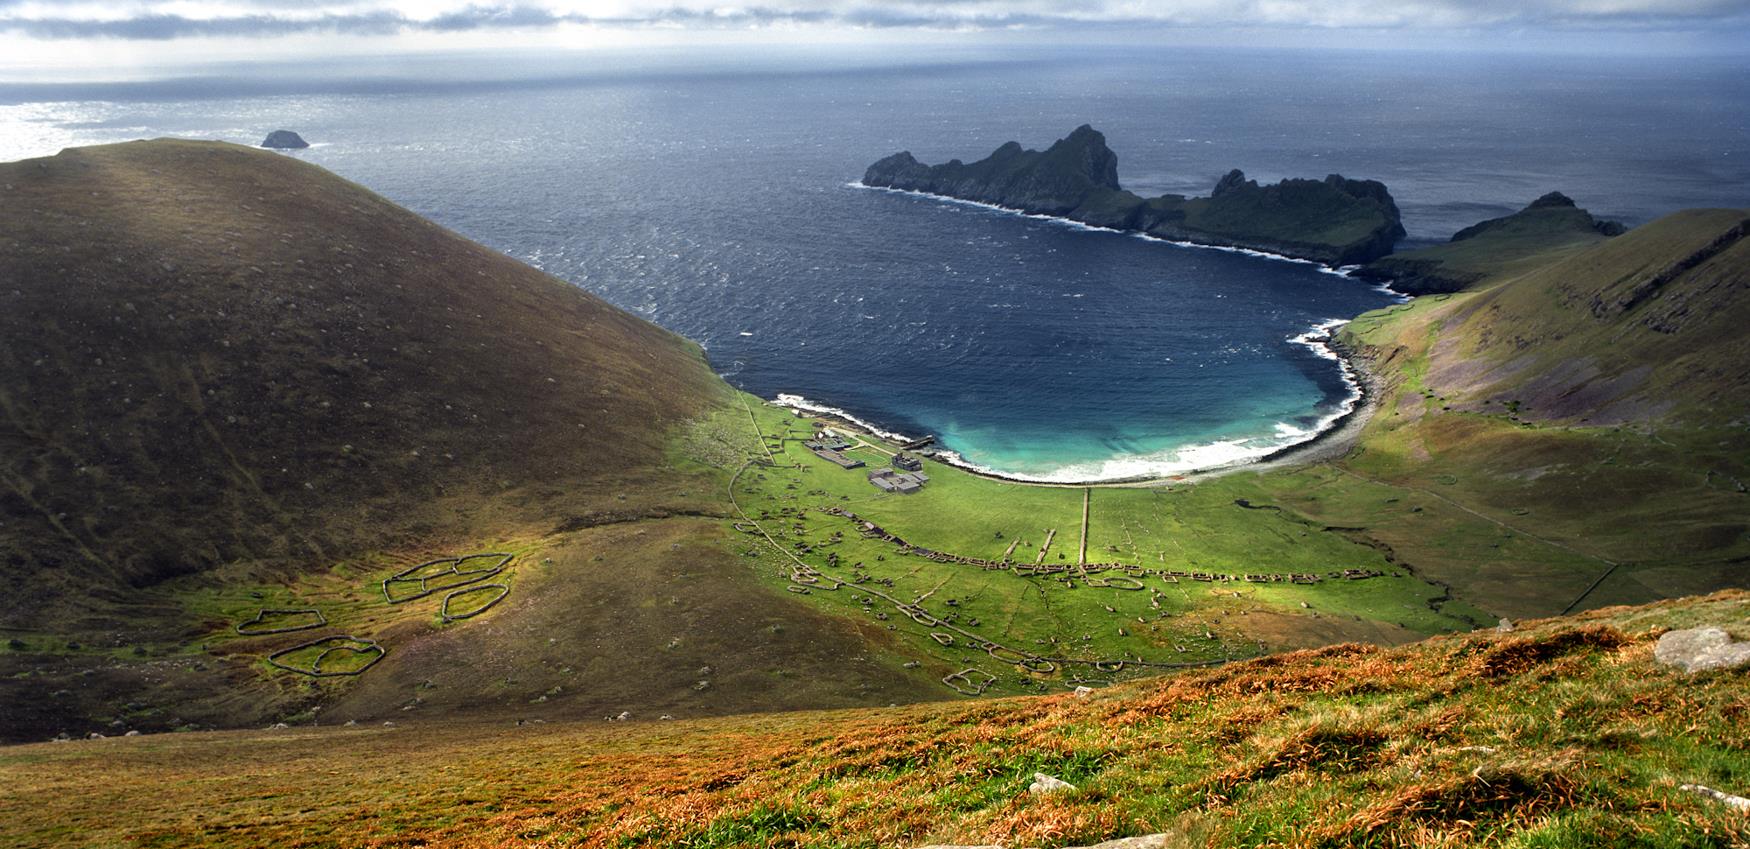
<point x="231" y="381"/>
<point x="210" y="353"/>
<point x="1563" y="734"/>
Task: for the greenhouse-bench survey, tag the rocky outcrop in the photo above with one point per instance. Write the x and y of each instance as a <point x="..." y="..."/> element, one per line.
<point x="284" y="140"/>
<point x="1335" y="220"/>
<point x="1699" y="649"/>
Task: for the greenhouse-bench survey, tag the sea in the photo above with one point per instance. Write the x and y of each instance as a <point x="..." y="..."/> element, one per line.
<point x="715" y="193"/>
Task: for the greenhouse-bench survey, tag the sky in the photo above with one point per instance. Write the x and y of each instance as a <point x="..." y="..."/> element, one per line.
<point x="46" y="38"/>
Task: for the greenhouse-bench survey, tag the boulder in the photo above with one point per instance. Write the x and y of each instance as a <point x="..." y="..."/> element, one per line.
<point x="1044" y="784"/>
<point x="1698" y="649"/>
<point x="284" y="140"/>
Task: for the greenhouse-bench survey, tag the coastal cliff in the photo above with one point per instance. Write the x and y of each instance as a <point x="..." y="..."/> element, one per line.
<point x="1337" y="221"/>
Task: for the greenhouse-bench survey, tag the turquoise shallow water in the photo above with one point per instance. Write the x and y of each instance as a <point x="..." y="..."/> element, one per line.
<point x="713" y="196"/>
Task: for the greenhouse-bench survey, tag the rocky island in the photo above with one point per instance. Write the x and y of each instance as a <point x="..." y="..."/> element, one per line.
<point x="284" y="140"/>
<point x="1336" y="221"/>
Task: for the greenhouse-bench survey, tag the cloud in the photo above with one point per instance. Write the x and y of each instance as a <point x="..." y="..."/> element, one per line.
<point x="170" y="19"/>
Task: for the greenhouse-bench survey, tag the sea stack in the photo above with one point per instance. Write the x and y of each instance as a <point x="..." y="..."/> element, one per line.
<point x="284" y="140"/>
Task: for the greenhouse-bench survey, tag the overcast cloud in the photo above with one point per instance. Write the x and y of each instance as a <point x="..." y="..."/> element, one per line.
<point x="147" y="20"/>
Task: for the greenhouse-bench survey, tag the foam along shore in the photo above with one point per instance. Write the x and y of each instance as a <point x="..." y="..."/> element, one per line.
<point x="1331" y="437"/>
<point x="1346" y="271"/>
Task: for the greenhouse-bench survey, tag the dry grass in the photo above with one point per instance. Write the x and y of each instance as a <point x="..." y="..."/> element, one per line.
<point x="1561" y="734"/>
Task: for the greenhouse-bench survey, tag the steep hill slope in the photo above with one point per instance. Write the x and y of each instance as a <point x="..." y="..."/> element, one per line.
<point x="1562" y="733"/>
<point x="1644" y="327"/>
<point x="209" y="353"/>
<point x="1565" y="433"/>
<point x="231" y="381"/>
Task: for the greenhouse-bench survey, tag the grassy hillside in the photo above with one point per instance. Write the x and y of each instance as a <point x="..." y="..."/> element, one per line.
<point x="230" y="381"/>
<point x="1644" y="328"/>
<point x="234" y="384"/>
<point x="1093" y="585"/>
<point x="1571" y="434"/>
<point x="1534" y="236"/>
<point x="1563" y="733"/>
<point x="210" y="353"/>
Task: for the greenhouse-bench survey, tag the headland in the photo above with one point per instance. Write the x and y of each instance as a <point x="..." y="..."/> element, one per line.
<point x="1336" y="221"/>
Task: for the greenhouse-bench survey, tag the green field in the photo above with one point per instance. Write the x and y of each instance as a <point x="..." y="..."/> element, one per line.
<point x="1088" y="633"/>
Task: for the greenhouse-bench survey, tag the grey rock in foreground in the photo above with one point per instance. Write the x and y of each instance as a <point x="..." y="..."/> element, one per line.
<point x="1147" y="841"/>
<point x="284" y="140"/>
<point x="1043" y="784"/>
<point x="1697" y="649"/>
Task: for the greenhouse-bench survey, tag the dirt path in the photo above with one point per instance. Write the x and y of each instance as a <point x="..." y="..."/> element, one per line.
<point x="758" y="434"/>
<point x="1082" y="556"/>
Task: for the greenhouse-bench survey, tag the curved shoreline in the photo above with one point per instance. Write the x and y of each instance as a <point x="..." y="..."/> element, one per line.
<point x="1329" y="443"/>
<point x="1334" y="439"/>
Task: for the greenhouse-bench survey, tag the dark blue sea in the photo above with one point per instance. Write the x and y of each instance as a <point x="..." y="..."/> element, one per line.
<point x="712" y="194"/>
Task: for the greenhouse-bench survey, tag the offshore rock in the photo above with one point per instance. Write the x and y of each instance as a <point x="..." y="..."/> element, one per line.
<point x="284" y="140"/>
<point x="1054" y="182"/>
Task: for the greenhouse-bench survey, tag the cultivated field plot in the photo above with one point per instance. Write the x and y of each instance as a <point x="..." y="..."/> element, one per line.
<point x="329" y="657"/>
